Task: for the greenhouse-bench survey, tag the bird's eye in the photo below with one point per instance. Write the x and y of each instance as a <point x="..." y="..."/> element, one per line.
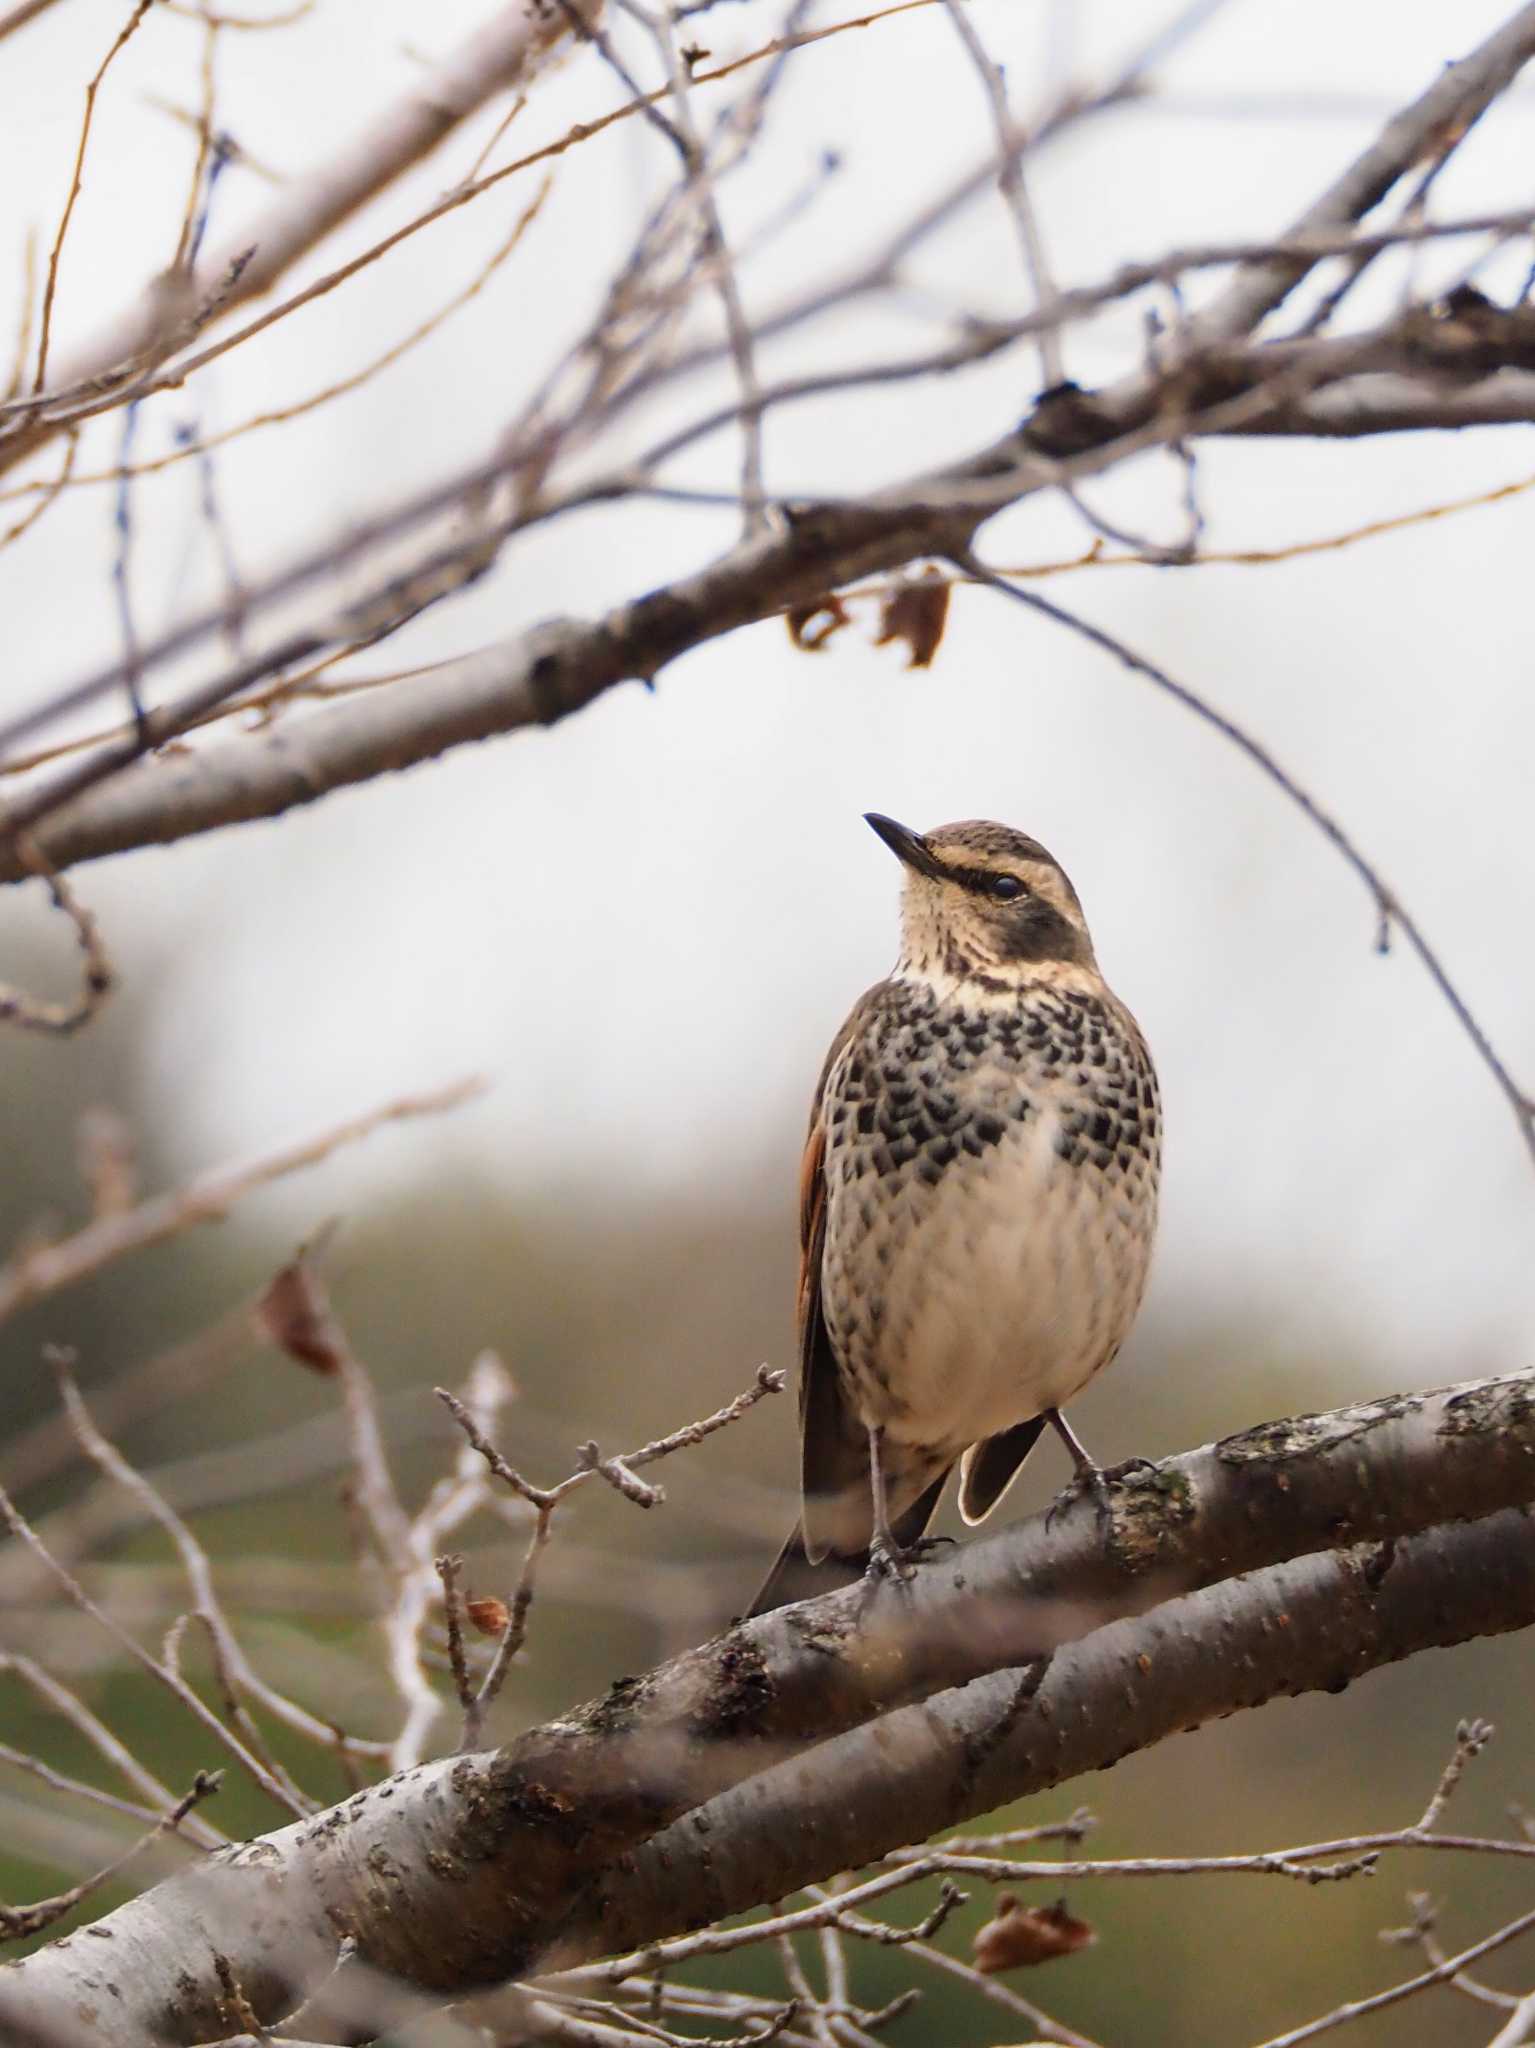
<point x="1006" y="886"/>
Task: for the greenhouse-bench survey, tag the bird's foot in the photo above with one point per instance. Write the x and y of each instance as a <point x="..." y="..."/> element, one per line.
<point x="888" y="1560"/>
<point x="1116" y="1475"/>
<point x="1087" y="1479"/>
<point x="1097" y="1481"/>
<point x="891" y="1560"/>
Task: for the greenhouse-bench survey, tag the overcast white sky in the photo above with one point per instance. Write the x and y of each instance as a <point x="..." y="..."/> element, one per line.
<point x="644" y="925"/>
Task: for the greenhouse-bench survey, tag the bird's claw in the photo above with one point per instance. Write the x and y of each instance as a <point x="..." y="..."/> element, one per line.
<point x="1087" y="1479"/>
<point x="887" y="1560"/>
<point x="1099" y="1481"/>
<point x="891" y="1560"/>
<point x="1116" y="1475"/>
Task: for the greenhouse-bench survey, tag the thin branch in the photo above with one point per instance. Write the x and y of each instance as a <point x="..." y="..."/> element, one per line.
<point x="1442" y="1973"/>
<point x="617" y="1472"/>
<point x="1471" y="1738"/>
<point x="74" y="1788"/>
<point x="1451" y="106"/>
<point x="54" y="1694"/>
<point x="33" y="1013"/>
<point x="124" y="35"/>
<point x="1520" y="2029"/>
<point x="1421" y="1934"/>
<point x="544" y="674"/>
<point x="1015" y="193"/>
<point x="234" y="1667"/>
<point x="19" y="1922"/>
<point x="44" y="1269"/>
<point x="162" y="1669"/>
<point x="18" y="16"/>
<point x="449" y="1570"/>
<point x="496" y="55"/>
<point x="1388" y="906"/>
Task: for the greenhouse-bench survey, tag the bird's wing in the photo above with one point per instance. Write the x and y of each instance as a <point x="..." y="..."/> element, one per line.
<point x="834" y="1449"/>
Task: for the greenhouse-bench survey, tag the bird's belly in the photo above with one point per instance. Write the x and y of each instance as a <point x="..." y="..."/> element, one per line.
<point x="974" y="1305"/>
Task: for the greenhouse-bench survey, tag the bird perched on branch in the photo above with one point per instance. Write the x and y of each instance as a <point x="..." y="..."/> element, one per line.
<point x="977" y="1204"/>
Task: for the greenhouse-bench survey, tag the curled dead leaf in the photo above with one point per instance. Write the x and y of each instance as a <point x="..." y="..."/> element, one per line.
<point x="489" y="1615"/>
<point x="294" y="1313"/>
<point x="803" y="629"/>
<point x="916" y="612"/>
<point x="1022" y="1936"/>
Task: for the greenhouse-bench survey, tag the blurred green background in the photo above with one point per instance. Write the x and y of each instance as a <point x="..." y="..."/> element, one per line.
<point x="619" y="1320"/>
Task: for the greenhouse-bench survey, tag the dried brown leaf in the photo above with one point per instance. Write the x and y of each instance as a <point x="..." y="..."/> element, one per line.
<point x="801" y="622"/>
<point x="916" y="611"/>
<point x="489" y="1615"/>
<point x="295" y="1314"/>
<point x="1022" y="1936"/>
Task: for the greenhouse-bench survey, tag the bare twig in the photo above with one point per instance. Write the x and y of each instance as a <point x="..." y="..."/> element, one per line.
<point x="1471" y="1738"/>
<point x="502" y="50"/>
<point x="155" y="1795"/>
<point x="544" y="1501"/>
<point x="1388" y="906"/>
<point x="33" y="1013"/>
<point x="158" y="1668"/>
<point x="449" y="1569"/>
<point x="1442" y="1973"/>
<point x="1450" y="106"/>
<point x="700" y="184"/>
<point x="44" y="1269"/>
<point x="123" y="36"/>
<point x="17" y="1922"/>
<point x="18" y="16"/>
<point x="1421" y="1934"/>
<point x="235" y="1670"/>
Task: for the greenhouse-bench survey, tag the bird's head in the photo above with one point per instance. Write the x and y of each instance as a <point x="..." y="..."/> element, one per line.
<point x="984" y="903"/>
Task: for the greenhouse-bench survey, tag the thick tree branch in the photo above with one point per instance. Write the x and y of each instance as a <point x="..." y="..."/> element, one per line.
<point x="112" y="801"/>
<point x="1392" y="403"/>
<point x="458" y="1873"/>
<point x="1313" y="1625"/>
<point x="1216" y="384"/>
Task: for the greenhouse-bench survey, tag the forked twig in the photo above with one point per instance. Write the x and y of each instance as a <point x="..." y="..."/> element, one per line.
<point x="618" y="1472"/>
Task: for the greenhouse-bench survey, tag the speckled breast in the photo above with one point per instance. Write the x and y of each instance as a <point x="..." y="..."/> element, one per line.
<point x="991" y="1201"/>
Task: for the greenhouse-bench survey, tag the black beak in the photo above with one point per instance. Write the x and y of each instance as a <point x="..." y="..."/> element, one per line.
<point x="906" y="845"/>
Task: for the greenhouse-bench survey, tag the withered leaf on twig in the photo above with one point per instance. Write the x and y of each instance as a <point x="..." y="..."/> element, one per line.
<point x="1022" y="1936"/>
<point x="801" y="622"/>
<point x="489" y="1615"/>
<point x="294" y="1313"/>
<point x="916" y="612"/>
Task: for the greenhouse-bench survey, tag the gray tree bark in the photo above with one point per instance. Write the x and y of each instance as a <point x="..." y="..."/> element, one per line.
<point x="1289" y="1558"/>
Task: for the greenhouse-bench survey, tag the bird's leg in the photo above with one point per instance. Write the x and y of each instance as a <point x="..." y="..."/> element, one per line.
<point x="1089" y="1471"/>
<point x="887" y="1559"/>
<point x="1087" y="1477"/>
<point x="1090" y="1476"/>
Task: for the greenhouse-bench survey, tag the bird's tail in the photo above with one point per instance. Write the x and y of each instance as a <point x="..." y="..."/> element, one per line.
<point x="794" y="1577"/>
<point x="797" y="1577"/>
